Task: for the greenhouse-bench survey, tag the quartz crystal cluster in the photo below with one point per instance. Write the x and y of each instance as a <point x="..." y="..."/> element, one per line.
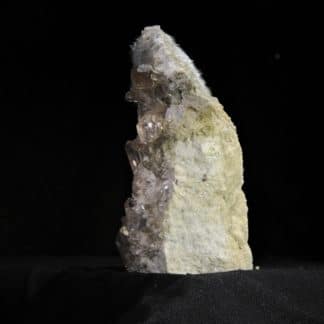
<point x="187" y="212"/>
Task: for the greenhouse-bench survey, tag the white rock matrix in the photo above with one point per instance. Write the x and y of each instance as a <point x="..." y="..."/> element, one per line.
<point x="187" y="212"/>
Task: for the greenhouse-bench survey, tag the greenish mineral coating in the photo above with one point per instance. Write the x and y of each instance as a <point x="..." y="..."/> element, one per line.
<point x="187" y="213"/>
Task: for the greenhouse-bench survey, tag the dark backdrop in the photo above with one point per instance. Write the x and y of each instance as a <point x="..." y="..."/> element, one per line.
<point x="64" y="120"/>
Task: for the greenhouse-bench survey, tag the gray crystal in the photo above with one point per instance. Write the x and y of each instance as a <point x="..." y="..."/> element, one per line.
<point x="187" y="213"/>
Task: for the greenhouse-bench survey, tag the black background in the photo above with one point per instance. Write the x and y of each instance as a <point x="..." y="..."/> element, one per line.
<point x="64" y="121"/>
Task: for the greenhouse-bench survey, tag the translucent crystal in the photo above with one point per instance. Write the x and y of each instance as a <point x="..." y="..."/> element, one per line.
<point x="150" y="127"/>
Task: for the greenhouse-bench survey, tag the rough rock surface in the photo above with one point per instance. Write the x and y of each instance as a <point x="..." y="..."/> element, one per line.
<point x="187" y="213"/>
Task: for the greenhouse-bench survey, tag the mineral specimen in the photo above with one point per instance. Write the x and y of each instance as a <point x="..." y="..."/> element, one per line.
<point x="187" y="213"/>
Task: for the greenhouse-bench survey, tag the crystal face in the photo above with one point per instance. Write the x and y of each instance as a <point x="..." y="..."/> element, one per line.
<point x="187" y="212"/>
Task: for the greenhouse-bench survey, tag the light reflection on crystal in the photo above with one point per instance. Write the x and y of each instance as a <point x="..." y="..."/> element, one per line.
<point x="149" y="128"/>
